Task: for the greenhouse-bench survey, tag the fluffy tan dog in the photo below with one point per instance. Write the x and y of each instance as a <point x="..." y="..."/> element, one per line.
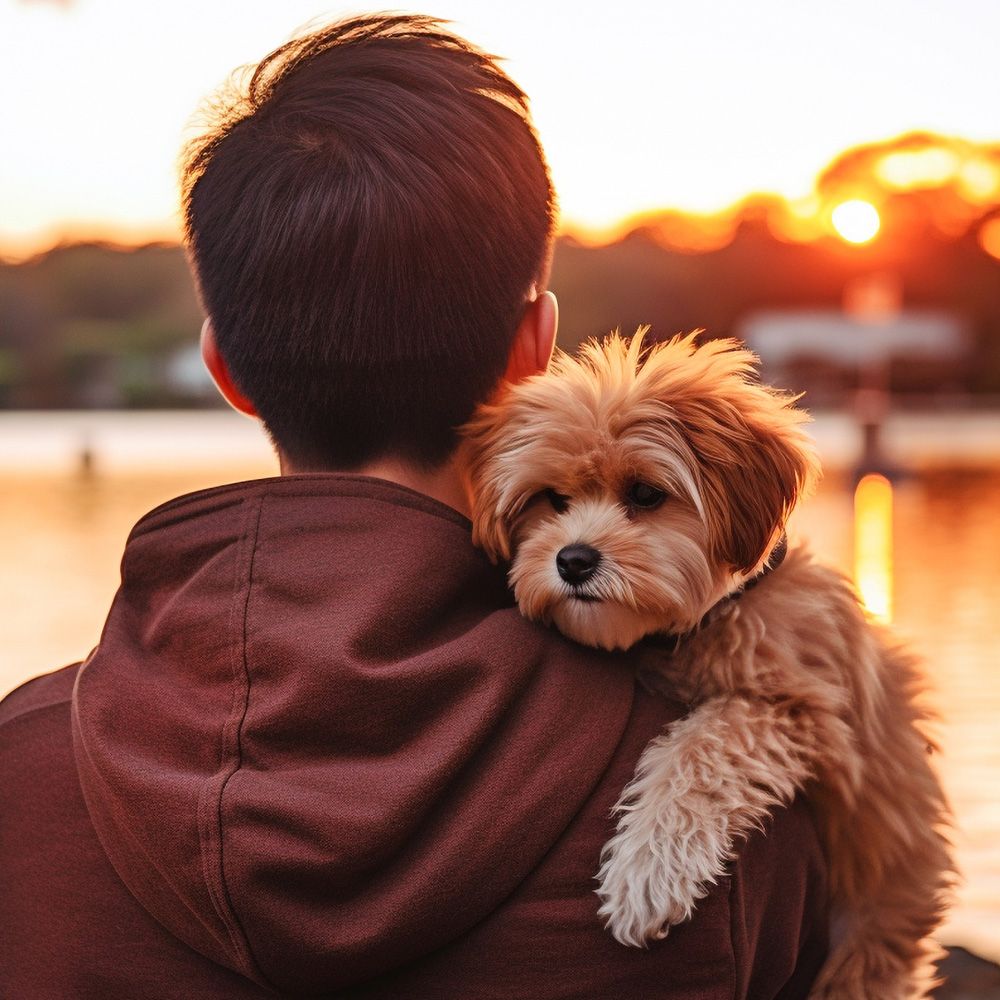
<point x="644" y="493"/>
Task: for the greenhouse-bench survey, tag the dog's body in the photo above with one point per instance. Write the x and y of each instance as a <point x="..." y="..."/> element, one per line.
<point x="647" y="495"/>
<point x="795" y="689"/>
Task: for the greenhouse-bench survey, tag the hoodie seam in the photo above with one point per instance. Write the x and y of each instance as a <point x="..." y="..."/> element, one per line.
<point x="10" y="715"/>
<point x="736" y="952"/>
<point x="231" y="750"/>
<point x="29" y="713"/>
<point x="352" y="485"/>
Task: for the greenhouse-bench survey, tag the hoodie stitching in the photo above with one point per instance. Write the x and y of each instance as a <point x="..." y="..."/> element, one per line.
<point x="231" y="759"/>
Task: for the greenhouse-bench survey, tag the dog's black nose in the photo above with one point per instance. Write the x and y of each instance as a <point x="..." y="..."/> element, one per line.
<point x="577" y="562"/>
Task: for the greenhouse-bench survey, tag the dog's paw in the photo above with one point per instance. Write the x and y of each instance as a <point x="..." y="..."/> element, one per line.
<point x="647" y="884"/>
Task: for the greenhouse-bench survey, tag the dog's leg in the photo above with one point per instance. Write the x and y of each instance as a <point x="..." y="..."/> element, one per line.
<point x="880" y="954"/>
<point x="890" y="863"/>
<point x="888" y="897"/>
<point x="711" y="778"/>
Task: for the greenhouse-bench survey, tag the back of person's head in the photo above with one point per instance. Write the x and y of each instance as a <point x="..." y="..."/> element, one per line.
<point x="365" y="218"/>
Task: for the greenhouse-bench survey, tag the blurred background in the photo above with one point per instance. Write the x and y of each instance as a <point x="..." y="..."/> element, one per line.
<point x="822" y="181"/>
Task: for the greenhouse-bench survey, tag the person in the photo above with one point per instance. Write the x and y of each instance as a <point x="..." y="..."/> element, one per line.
<point x="317" y="750"/>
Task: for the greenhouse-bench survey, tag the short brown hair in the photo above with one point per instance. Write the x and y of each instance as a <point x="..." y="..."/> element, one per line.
<point x="365" y="219"/>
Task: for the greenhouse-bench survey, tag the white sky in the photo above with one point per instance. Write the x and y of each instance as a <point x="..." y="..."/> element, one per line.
<point x="640" y="105"/>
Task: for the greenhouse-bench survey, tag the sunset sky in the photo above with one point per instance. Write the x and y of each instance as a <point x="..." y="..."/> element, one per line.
<point x="640" y="105"/>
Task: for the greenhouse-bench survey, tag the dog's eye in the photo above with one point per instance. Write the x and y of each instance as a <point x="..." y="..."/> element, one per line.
<point x="644" y="496"/>
<point x="559" y="501"/>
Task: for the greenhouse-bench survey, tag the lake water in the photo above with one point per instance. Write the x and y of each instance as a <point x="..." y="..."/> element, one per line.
<point x="62" y="532"/>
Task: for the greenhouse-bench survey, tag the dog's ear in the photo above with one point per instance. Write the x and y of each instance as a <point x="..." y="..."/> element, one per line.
<point x="749" y="491"/>
<point x="484" y="460"/>
<point x="754" y="459"/>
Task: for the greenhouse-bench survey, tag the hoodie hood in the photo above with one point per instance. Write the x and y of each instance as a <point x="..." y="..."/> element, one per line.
<point x="317" y="740"/>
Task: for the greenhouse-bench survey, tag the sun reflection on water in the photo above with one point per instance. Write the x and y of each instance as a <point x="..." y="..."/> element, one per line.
<point x="873" y="544"/>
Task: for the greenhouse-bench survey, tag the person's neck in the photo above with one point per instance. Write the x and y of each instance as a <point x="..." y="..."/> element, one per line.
<point x="443" y="484"/>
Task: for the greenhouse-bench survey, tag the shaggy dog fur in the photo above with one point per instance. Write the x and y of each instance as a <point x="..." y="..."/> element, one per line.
<point x="678" y="470"/>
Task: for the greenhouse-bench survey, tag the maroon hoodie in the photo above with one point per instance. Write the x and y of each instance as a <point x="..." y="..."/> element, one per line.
<point x="318" y="752"/>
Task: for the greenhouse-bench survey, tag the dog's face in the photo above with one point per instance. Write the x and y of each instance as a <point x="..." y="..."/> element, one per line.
<point x="631" y="491"/>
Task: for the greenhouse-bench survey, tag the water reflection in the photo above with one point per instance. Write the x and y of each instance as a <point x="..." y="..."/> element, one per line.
<point x="873" y="544"/>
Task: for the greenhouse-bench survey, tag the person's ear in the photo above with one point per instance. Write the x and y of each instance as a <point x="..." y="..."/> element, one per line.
<point x="535" y="338"/>
<point x="219" y="371"/>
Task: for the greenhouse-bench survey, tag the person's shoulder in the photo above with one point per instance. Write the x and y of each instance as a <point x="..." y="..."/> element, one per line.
<point x="47" y="692"/>
<point x="655" y="708"/>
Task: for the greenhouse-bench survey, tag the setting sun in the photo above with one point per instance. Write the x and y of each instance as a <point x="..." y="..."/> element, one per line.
<point x="856" y="221"/>
<point x="91" y="158"/>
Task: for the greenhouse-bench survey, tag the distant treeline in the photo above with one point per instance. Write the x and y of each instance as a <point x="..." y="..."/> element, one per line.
<point x="93" y="325"/>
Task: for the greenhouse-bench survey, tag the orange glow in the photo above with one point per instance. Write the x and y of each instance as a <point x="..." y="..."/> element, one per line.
<point x="798" y="221"/>
<point x="907" y="169"/>
<point x="856" y="221"/>
<point x="684" y="232"/>
<point x="989" y="237"/>
<point x="979" y="180"/>
<point x="873" y="545"/>
<point x="692" y="233"/>
<point x="16" y="247"/>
